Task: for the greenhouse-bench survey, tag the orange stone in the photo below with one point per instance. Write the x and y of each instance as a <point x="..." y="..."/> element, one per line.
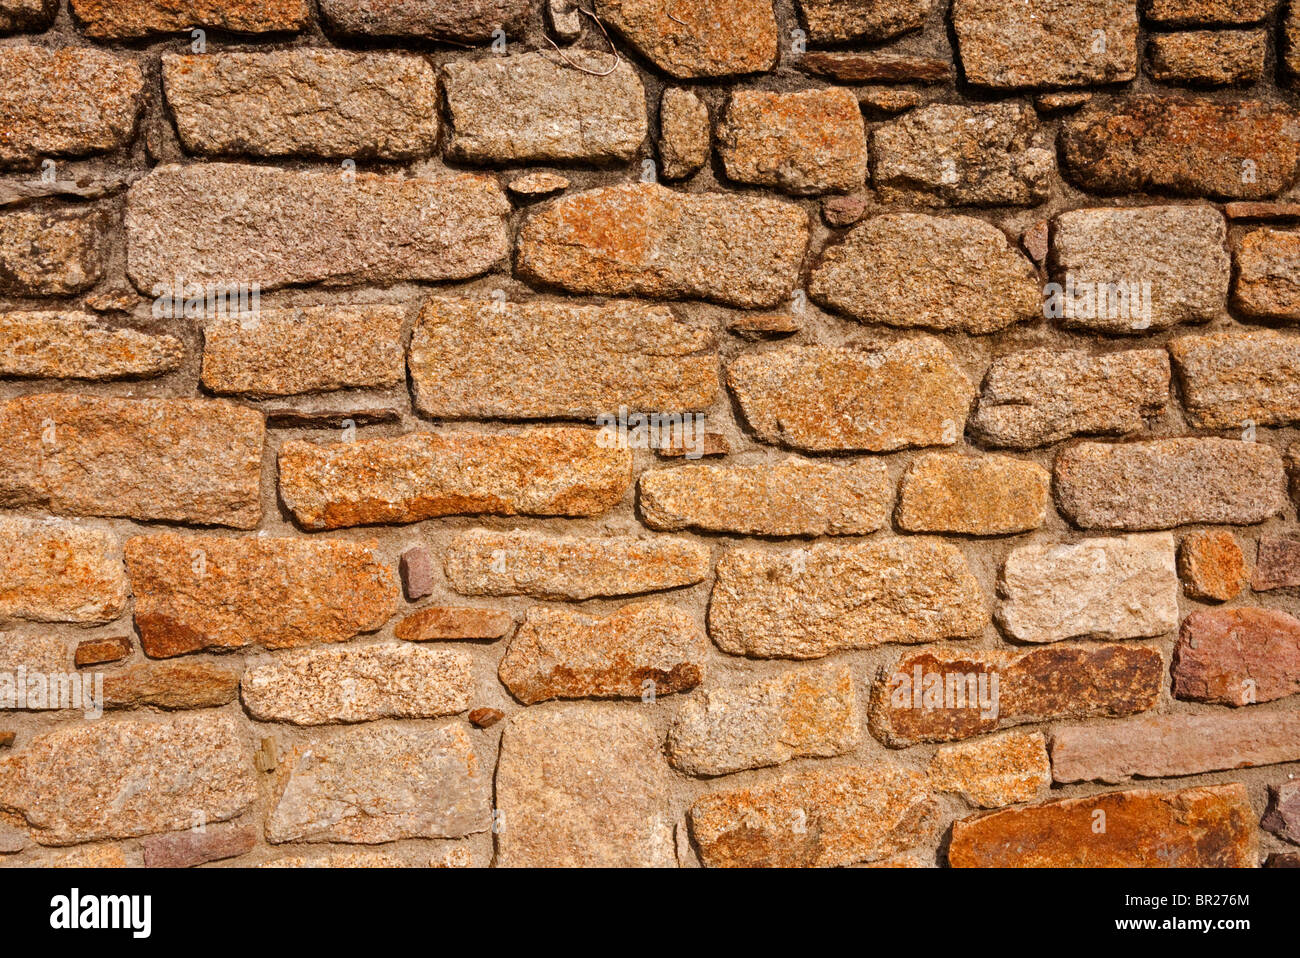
<point x="450" y="622"/>
<point x="1212" y="565"/>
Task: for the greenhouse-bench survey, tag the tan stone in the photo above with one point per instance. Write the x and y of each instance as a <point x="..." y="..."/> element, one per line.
<point x="1208" y="57"/>
<point x="536" y="185"/>
<point x="102" y="651"/>
<point x="1268" y="274"/>
<point x="441" y="855"/>
<point x="992" y="772"/>
<point x="1207" y="12"/>
<point x="975" y="495"/>
<point x="45" y="655"/>
<point x="684" y="133"/>
<point x="834" y="21"/>
<point x="447" y="622"/>
<point x="52" y="252"/>
<point x="76" y="345"/>
<point x="129" y="19"/>
<point x="1235" y="379"/>
<point x="688" y="40"/>
<point x="1212" y="565"/>
<point x="171" y="685"/>
<point x="58" y="572"/>
<point x="462" y="23"/>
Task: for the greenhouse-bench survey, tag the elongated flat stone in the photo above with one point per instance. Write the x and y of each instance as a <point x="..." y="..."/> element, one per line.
<point x="195" y="592"/>
<point x="76" y="345"/>
<point x="58" y="572"/>
<point x="131" y="19"/>
<point x="186" y="849"/>
<point x="477" y="359"/>
<point x="1207" y="12"/>
<point x="469" y="21"/>
<point x="975" y="495"/>
<point x="185" y="684"/>
<point x="1237" y="656"/>
<point x="442" y="622"/>
<point x="482" y="562"/>
<point x="811" y="602"/>
<point x="834" y="21"/>
<point x="995" y="771"/>
<point x="1235" y="379"/>
<point x="689" y="40"/>
<point x="543" y="471"/>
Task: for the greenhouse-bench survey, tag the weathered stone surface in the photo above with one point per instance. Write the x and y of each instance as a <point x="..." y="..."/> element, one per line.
<point x="442" y="622"/>
<point x="359" y="684"/>
<point x="995" y="771"/>
<point x="1158" y="746"/>
<point x="1212" y="565"/>
<point x="1277" y="564"/>
<point x="1209" y="827"/>
<point x="382" y="783"/>
<point x="1169" y="482"/>
<point x="689" y="40"/>
<point x="946" y="154"/>
<point x="129" y="19"/>
<point x="119" y="779"/>
<point x="643" y="648"/>
<point x="187" y="849"/>
<point x="58" y="572"/>
<point x="535" y="107"/>
<point x="483" y="562"/>
<point x="1191" y="147"/>
<point x="292" y="228"/>
<point x="180" y="460"/>
<point x="102" y="651"/>
<point x="646" y="240"/>
<point x="27" y="14"/>
<point x="844" y="211"/>
<point x="1119" y="588"/>
<point x="1178" y="250"/>
<point x="938" y="272"/>
<point x="1046" y="43"/>
<point x="470" y="21"/>
<point x="1283" y="816"/>
<point x="879" y="102"/>
<point x="73" y="102"/>
<point x="1208" y="57"/>
<point x="853" y="67"/>
<point x="872" y="398"/>
<point x="196" y="592"/>
<point x="1268" y="275"/>
<point x="1038" y="396"/>
<point x="304" y="102"/>
<point x="421" y="855"/>
<point x="416" y="569"/>
<point x="1290" y="52"/>
<point x="284" y="352"/>
<point x="791" y="497"/>
<point x="51" y="252"/>
<point x="833" y="21"/>
<point x="45" y="655"/>
<point x="815" y="819"/>
<point x="1237" y="656"/>
<point x="975" y="495"/>
<point x="536" y="185"/>
<point x="478" y="359"/>
<point x="171" y="685"/>
<point x="800" y="713"/>
<point x="684" y="133"/>
<point x="485" y="717"/>
<point x="1235" y="379"/>
<point x="582" y="784"/>
<point x="934" y="695"/>
<point x="1207" y="12"/>
<point x="812" y="602"/>
<point x="76" y="345"/>
<point x="543" y="471"/>
<point x="807" y="142"/>
<point x="1262" y="210"/>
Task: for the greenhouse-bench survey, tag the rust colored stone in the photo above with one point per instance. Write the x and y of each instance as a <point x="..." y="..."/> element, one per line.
<point x="687" y="40"/>
<point x="485" y="717"/>
<point x="874" y="67"/>
<point x="1237" y="656"/>
<point x="59" y="572"/>
<point x="101" y="651"/>
<point x="172" y="685"/>
<point x="441" y="622"/>
<point x="1212" y="565"/>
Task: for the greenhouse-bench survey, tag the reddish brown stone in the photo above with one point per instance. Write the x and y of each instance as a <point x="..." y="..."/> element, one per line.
<point x="1212" y="565"/>
<point x="875" y="67"/>
<point x="1237" y="656"/>
<point x="485" y="718"/>
<point x="1210" y="827"/>
<point x="1277" y="564"/>
<point x="1262" y="211"/>
<point x="7" y="738"/>
<point x="1283" y="817"/>
<point x="447" y="622"/>
<point x="102" y="651"/>
<point x="416" y="568"/>
<point x="186" y="849"/>
<point x="172" y="685"/>
<point x="1283" y="860"/>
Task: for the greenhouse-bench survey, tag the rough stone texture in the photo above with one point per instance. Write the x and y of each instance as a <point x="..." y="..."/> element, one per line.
<point x="1069" y="680"/>
<point x="815" y="819"/>
<point x="88" y="103"/>
<point x="940" y="272"/>
<point x="646" y="648"/>
<point x="1190" y="147"/>
<point x="1208" y="827"/>
<point x="229" y="223"/>
<point x="416" y="569"/>
<point x="799" y="713"/>
<point x="645" y="240"/>
<point x="1268" y="275"/>
<point x="180" y="460"/>
<point x="1290" y="52"/>
<point x="449" y="622"/>
<point x="76" y="345"/>
<point x="187" y="849"/>
<point x="948" y="154"/>
<point x="1235" y="379"/>
<point x="684" y="133"/>
<point x="1118" y="588"/>
<point x="27" y="14"/>
<point x="583" y="785"/>
<point x="1046" y="43"/>
<point x="1208" y="57"/>
<point x="483" y="562"/>
<point x="1038" y="396"/>
<point x="688" y="40"/>
<point x="808" y="142"/>
<point x="476" y="359"/>
<point x="874" y="399"/>
<point x="1179" y="250"/>
<point x="1277" y="564"/>
<point x="468" y="21"/>
<point x="1283" y="817"/>
<point x="102" y="651"/>
<point x="834" y="21"/>
<point x="123" y="778"/>
<point x="543" y="471"/>
<point x="790" y="497"/>
<point x="57" y="572"/>
<point x="55" y="252"/>
<point x="535" y="107"/>
<point x="46" y="655"/>
<point x="973" y="495"/>
<point x="1212" y="565"/>
<point x="809" y="603"/>
<point x="171" y="685"/>
<point x="426" y="855"/>
<point x="285" y="352"/>
<point x="1237" y="656"/>
<point x="1169" y="482"/>
<point x="129" y="19"/>
<point x="1207" y="12"/>
<point x="382" y="783"/>
<point x="536" y="185"/>
<point x="995" y="771"/>
<point x="852" y="67"/>
<point x="197" y="592"/>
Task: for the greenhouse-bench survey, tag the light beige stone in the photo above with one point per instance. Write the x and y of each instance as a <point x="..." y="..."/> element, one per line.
<point x="995" y="771"/>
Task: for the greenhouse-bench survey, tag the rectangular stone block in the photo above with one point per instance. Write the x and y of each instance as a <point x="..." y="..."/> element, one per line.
<point x="1235" y="380"/>
<point x="76" y="345"/>
<point x="54" y="252"/>
<point x="58" y="572"/>
<point x="131" y="19"/>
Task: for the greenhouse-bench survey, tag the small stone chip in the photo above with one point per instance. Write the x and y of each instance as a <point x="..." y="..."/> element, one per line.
<point x="995" y="771"/>
<point x="101" y="651"/>
<point x="973" y="495"/>
<point x="484" y="717"/>
<point x="537" y="185"/>
<point x="1212" y="565"/>
<point x="1237" y="657"/>
<point x="416" y="570"/>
